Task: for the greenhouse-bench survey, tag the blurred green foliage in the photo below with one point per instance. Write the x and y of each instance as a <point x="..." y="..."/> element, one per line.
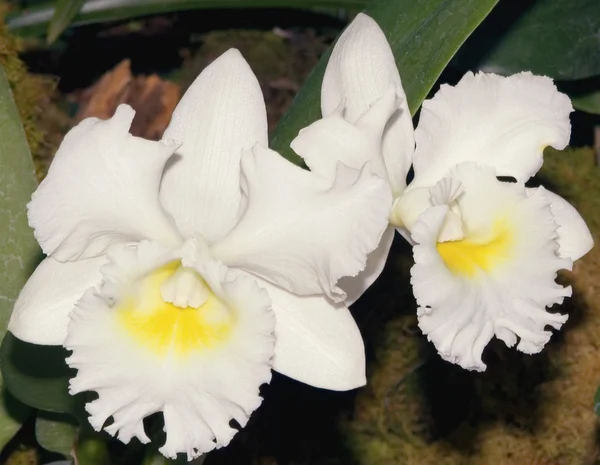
<point x="55" y="432"/>
<point x="64" y="12"/>
<point x="556" y="38"/>
<point x="590" y="102"/>
<point x="35" y="20"/>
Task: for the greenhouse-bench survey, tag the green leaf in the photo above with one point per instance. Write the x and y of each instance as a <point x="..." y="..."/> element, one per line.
<point x="39" y="376"/>
<point x="34" y="20"/>
<point x="556" y="38"/>
<point x="590" y="103"/>
<point x="56" y="432"/>
<point x="64" y="12"/>
<point x="424" y="36"/>
<point x="597" y="402"/>
<point x="19" y="251"/>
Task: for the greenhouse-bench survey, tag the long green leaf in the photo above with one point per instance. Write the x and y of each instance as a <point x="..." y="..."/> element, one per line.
<point x="34" y="21"/>
<point x="18" y="249"/>
<point x="424" y="36"/>
<point x="35" y="375"/>
<point x="556" y="38"/>
<point x="64" y="12"/>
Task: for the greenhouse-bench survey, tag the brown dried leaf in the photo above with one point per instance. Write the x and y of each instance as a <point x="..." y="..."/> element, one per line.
<point x="153" y="99"/>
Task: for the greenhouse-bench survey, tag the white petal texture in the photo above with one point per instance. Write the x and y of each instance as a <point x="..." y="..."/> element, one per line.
<point x="498" y="280"/>
<point x="503" y="122"/>
<point x="574" y="237"/>
<point x="201" y="367"/>
<point x="221" y="114"/>
<point x="318" y="342"/>
<point x="360" y="71"/>
<point x="101" y="189"/>
<point x="355" y="286"/>
<point x="41" y="313"/>
<point x="302" y="232"/>
<point x="332" y="140"/>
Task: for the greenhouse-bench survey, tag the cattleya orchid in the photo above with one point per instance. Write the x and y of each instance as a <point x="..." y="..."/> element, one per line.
<point x="180" y="272"/>
<point x="486" y="250"/>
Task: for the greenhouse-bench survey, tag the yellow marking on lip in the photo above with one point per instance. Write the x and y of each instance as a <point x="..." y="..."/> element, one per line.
<point x="167" y="329"/>
<point x="471" y="255"/>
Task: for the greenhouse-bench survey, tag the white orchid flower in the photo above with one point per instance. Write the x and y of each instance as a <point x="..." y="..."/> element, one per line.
<point x="486" y="251"/>
<point x="179" y="272"/>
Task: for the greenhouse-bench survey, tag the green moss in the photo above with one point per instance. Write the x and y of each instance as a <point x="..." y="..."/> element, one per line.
<point x="31" y="92"/>
<point x="23" y="456"/>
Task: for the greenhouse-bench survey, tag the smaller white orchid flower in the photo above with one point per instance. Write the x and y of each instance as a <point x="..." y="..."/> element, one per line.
<point x="486" y="251"/>
<point x="180" y="272"/>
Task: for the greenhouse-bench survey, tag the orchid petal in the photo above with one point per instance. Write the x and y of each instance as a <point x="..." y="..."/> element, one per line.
<point x="333" y="140"/>
<point x="101" y="189"/>
<point x="360" y="71"/>
<point x="502" y="122"/>
<point x="317" y="342"/>
<point x="357" y="285"/>
<point x="221" y="114"/>
<point x="574" y="237"/>
<point x="302" y="232"/>
<point x="41" y="312"/>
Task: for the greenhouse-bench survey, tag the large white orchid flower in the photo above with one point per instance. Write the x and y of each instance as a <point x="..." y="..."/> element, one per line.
<point x="179" y="272"/>
<point x="486" y="251"/>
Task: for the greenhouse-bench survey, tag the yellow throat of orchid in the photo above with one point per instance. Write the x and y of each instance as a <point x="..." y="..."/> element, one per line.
<point x="167" y="329"/>
<point x="478" y="252"/>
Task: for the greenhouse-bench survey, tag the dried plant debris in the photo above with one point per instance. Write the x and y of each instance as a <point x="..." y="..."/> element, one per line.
<point x="153" y="99"/>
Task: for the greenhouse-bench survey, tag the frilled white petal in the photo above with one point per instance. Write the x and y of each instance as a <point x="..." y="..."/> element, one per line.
<point x="503" y="122"/>
<point x="498" y="280"/>
<point x="356" y="286"/>
<point x="317" y="342"/>
<point x="302" y="232"/>
<point x="221" y="114"/>
<point x="574" y="237"/>
<point x="332" y="140"/>
<point x="202" y="368"/>
<point x="360" y="70"/>
<point x="41" y="312"/>
<point x="102" y="188"/>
